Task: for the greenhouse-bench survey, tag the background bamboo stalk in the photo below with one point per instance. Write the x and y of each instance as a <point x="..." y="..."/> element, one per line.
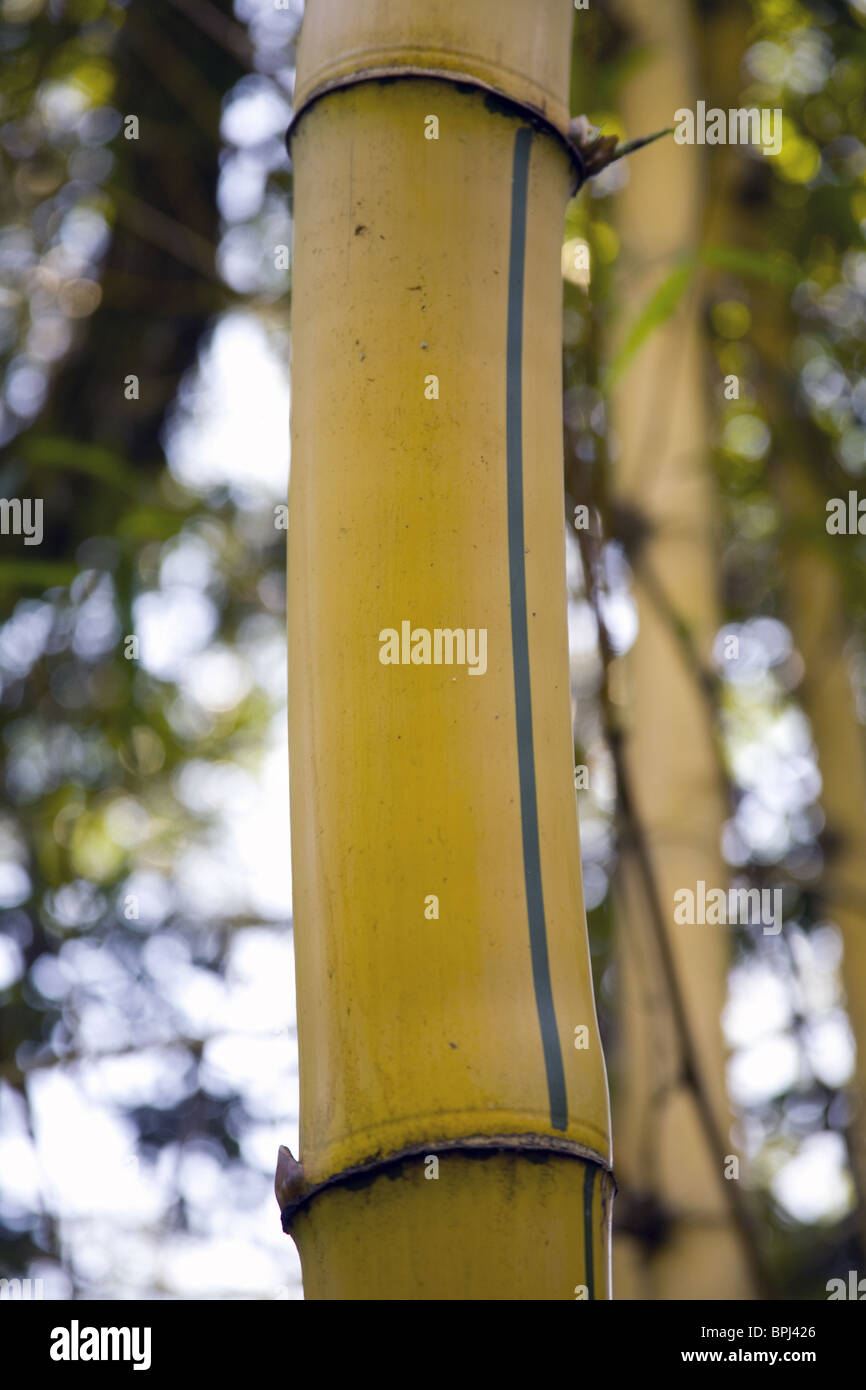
<point x="678" y="1238"/>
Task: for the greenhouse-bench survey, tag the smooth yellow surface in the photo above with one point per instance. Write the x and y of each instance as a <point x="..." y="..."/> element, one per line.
<point x="493" y="1226"/>
<point x="404" y="779"/>
<point x="519" y="47"/>
<point x="419" y="1028"/>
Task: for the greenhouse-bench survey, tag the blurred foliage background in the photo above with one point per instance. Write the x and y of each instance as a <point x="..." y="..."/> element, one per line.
<point x="147" y="1046"/>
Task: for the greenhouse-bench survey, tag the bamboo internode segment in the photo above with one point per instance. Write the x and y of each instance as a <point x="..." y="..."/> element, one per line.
<point x="520" y="48"/>
<point x="443" y="976"/>
<point x="407" y="779"/>
<point x="536" y="1230"/>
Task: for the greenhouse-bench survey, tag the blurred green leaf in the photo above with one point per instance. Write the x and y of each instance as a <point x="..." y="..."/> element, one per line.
<point x="35" y="574"/>
<point x="150" y="523"/>
<point x="754" y="263"/>
<point x="55" y="451"/>
<point x="660" y="306"/>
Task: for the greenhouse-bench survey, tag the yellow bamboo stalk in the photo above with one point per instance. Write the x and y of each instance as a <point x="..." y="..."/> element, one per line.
<point x="454" y="1112"/>
<point x="680" y="1241"/>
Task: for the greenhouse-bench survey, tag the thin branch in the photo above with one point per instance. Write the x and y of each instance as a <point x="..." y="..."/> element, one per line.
<point x="229" y="35"/>
<point x="184" y="244"/>
<point x="224" y="31"/>
<point x="731" y="1193"/>
<point x="739" y="1212"/>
